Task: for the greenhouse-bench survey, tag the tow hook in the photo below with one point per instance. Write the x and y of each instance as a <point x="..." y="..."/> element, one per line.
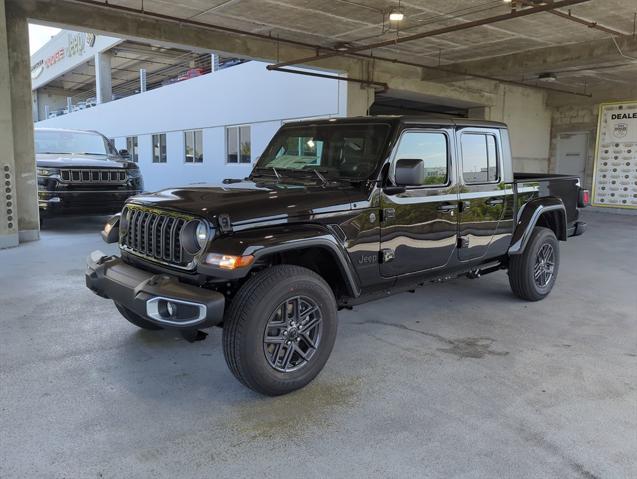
<point x="194" y="335"/>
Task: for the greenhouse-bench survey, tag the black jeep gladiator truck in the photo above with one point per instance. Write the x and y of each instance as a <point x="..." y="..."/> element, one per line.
<point x="335" y="213"/>
<point x="81" y="172"/>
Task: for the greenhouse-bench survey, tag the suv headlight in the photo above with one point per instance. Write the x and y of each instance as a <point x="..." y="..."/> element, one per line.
<point x="134" y="172"/>
<point x="46" y="171"/>
<point x="195" y="236"/>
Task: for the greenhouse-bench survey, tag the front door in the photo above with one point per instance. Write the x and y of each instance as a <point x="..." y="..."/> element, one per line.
<point x="419" y="225"/>
<point x="483" y="197"/>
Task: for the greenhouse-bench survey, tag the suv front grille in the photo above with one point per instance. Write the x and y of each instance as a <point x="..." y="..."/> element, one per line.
<point x="92" y="175"/>
<point x="155" y="235"/>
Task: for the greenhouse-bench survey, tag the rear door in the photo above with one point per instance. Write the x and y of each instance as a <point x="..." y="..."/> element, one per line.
<point x="483" y="196"/>
<point x="419" y="225"/>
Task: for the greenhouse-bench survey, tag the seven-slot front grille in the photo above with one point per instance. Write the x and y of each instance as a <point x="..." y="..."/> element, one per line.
<point x="155" y="235"/>
<point x="92" y="175"/>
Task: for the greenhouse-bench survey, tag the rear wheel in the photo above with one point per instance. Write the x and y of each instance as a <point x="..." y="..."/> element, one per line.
<point x="136" y="319"/>
<point x="280" y="329"/>
<point x="532" y="274"/>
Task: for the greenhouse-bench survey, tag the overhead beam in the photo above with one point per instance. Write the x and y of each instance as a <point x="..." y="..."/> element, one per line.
<point x="544" y="59"/>
<point x="127" y="23"/>
<point x="432" y="33"/>
<point x="130" y="23"/>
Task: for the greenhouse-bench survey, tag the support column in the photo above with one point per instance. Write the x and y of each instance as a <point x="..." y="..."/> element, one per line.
<point x="22" y="181"/>
<point x="103" y="79"/>
<point x="8" y="225"/>
<point x="359" y="99"/>
<point x="142" y="80"/>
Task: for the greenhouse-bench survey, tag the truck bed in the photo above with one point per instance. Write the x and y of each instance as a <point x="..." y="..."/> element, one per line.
<point x="529" y="186"/>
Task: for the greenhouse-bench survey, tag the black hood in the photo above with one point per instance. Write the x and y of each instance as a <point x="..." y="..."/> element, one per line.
<point x="248" y="201"/>
<point x="66" y="160"/>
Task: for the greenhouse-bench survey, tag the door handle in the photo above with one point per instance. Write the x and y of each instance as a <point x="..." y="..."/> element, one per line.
<point x="495" y="201"/>
<point x="446" y="208"/>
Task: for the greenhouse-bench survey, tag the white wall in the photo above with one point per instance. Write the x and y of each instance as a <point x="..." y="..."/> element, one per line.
<point x="528" y="117"/>
<point x="244" y="94"/>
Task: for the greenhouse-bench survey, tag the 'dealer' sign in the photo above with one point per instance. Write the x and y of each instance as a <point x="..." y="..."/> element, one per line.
<point x="615" y="176"/>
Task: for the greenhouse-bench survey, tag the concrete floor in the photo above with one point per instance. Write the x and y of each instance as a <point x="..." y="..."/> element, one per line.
<point x="457" y="380"/>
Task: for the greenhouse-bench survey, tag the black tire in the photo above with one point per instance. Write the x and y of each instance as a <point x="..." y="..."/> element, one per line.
<point x="264" y="299"/>
<point x="523" y="268"/>
<point x="136" y="319"/>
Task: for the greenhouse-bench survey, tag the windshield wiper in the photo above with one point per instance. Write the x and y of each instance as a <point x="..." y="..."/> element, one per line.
<point x="321" y="177"/>
<point x="276" y="173"/>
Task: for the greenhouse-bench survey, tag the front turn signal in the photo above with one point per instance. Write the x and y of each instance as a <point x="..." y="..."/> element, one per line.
<point x="226" y="261"/>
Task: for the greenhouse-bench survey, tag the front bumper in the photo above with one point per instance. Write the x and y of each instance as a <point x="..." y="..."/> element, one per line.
<point x="83" y="201"/>
<point x="160" y="298"/>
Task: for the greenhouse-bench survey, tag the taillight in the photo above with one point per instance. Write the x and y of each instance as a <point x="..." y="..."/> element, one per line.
<point x="584" y="198"/>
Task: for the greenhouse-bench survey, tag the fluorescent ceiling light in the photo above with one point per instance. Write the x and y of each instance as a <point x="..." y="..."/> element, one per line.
<point x="396" y="16"/>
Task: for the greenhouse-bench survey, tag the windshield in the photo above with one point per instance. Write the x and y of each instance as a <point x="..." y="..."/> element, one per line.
<point x="335" y="151"/>
<point x="71" y="142"/>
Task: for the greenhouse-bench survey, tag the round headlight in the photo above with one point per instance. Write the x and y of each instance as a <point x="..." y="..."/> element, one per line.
<point x="124" y="221"/>
<point x="194" y="236"/>
<point x="202" y="234"/>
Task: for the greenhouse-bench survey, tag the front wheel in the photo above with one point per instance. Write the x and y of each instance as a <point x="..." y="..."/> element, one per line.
<point x="532" y="274"/>
<point x="280" y="329"/>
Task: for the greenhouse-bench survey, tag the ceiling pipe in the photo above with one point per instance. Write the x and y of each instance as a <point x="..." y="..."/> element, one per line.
<point x="581" y="21"/>
<point x="381" y="86"/>
<point x="439" y="31"/>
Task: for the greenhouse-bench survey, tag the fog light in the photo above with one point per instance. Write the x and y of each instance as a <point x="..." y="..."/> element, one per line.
<point x="225" y="261"/>
<point x="167" y="309"/>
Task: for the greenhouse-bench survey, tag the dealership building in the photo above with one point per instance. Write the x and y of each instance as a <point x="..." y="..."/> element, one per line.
<point x="184" y="116"/>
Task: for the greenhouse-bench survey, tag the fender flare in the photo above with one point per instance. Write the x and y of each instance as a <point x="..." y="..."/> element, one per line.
<point x="528" y="218"/>
<point x="261" y="242"/>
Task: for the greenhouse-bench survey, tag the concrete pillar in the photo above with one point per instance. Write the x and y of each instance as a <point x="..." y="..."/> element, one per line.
<point x="359" y="99"/>
<point x="69" y="103"/>
<point x="8" y="227"/>
<point x="103" y="79"/>
<point x="18" y="171"/>
<point x="142" y="80"/>
<point x="214" y="62"/>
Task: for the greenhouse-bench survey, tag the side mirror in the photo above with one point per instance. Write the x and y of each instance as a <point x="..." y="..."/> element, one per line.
<point x="409" y="172"/>
<point x="124" y="154"/>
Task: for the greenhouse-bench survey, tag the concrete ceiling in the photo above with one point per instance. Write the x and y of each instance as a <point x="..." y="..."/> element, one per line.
<point x="358" y="22"/>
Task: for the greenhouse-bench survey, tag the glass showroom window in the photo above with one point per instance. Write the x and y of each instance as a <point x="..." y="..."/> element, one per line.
<point x="238" y="144"/>
<point x="131" y="147"/>
<point x="159" y="148"/>
<point x="193" y="141"/>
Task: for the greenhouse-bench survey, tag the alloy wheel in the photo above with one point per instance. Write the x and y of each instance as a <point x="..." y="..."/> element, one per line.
<point x="292" y="334"/>
<point x="544" y="265"/>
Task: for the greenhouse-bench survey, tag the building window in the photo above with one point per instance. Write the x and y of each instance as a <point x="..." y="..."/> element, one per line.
<point x="431" y="148"/>
<point x="479" y="158"/>
<point x="131" y="147"/>
<point x="159" y="148"/>
<point x="238" y="144"/>
<point x="193" y="141"/>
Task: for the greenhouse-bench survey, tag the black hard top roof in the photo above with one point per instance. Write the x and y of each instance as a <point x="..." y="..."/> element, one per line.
<point x="402" y="119"/>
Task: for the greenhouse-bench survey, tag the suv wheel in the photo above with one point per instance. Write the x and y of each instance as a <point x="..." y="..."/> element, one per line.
<point x="532" y="274"/>
<point x="136" y="319"/>
<point x="280" y="329"/>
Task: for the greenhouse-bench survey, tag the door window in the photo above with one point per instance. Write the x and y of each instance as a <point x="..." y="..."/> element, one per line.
<point x="479" y="158"/>
<point x="432" y="149"/>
